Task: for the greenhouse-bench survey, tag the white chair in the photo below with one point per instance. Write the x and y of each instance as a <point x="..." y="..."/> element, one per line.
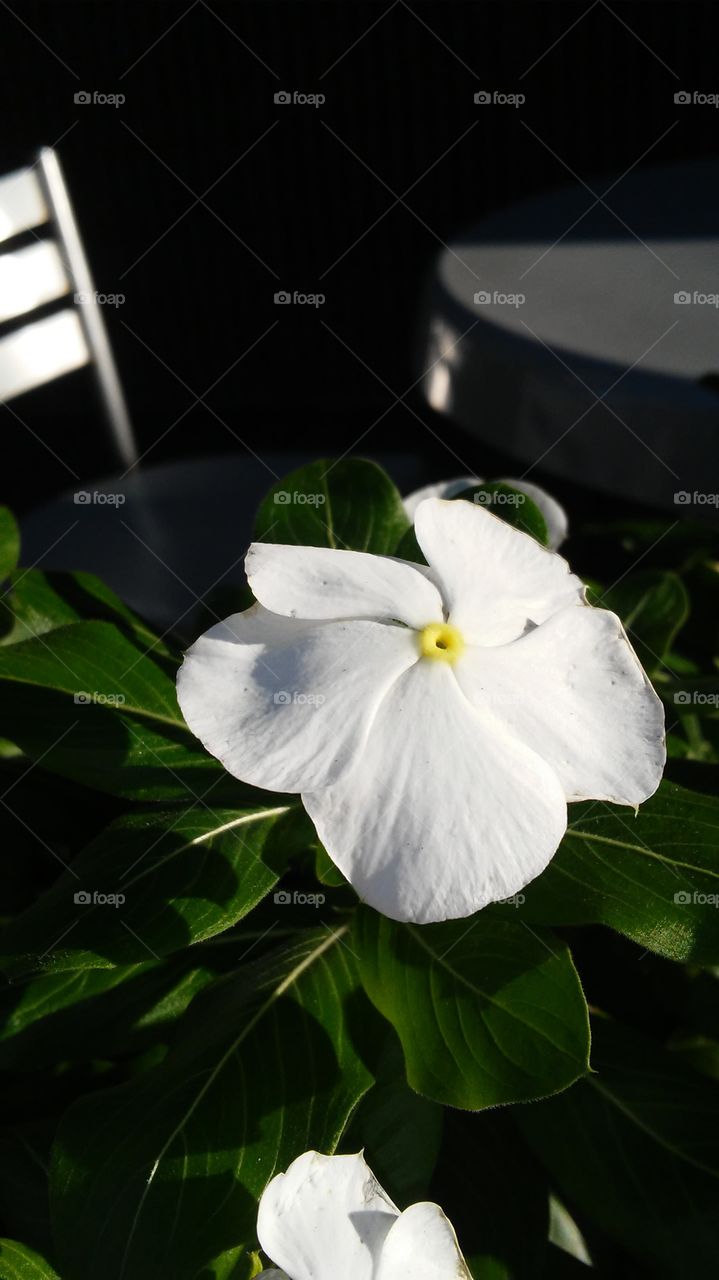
<point x="52" y="269"/>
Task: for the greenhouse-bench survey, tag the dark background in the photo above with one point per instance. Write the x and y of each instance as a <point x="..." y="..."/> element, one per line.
<point x="286" y="199"/>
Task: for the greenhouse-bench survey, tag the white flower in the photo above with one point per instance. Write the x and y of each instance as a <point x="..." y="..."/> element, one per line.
<point x="436" y="720"/>
<point x="555" y="517"/>
<point x="328" y="1218"/>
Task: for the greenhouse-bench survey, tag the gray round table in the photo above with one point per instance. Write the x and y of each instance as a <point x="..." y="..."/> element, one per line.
<point x="166" y="536"/>
<point x="585" y="335"/>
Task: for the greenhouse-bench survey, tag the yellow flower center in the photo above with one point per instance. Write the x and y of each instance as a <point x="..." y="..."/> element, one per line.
<point x="440" y="640"/>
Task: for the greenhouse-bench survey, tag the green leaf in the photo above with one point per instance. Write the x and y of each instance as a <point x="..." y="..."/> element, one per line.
<point x="693" y="707"/>
<point x="235" y="1264"/>
<point x="653" y="877"/>
<point x="351" y="504"/>
<point x="636" y="1147"/>
<point x="653" y="607"/>
<point x="692" y="694"/>
<point x="700" y="754"/>
<point x="17" y="1262"/>
<point x="510" y="505"/>
<point x="37" y="602"/>
<point x="408" y="548"/>
<point x="165" y="1173"/>
<point x="325" y="869"/>
<point x="95" y="1013"/>
<point x="9" y="543"/>
<point x="171" y="879"/>
<point x="701" y="636"/>
<point x="487" y="1011"/>
<point x="94" y="707"/>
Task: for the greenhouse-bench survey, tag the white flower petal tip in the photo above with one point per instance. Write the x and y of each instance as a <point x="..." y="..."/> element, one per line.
<point x="436" y="720"/>
<point x="497" y="582"/>
<point x="327" y="1216"/>
<point x="422" y="1245"/>
<point x="321" y="583"/>
<point x="555" y="517"/>
<point x="446" y="813"/>
<point x="441" y="489"/>
<point x="574" y="691"/>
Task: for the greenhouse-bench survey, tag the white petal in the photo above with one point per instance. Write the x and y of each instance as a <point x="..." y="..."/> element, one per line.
<point x="422" y="1245"/>
<point x="318" y="582"/>
<point x="496" y="581"/>
<point x="565" y="1233"/>
<point x="555" y="517"/>
<point x="573" y="690"/>
<point x="443" y="489"/>
<point x="443" y="812"/>
<point x="272" y="1275"/>
<point x="326" y="1218"/>
<point x="286" y="704"/>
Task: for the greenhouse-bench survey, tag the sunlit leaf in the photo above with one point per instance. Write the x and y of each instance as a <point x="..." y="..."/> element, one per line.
<point x="487" y="1010"/>
<point x="653" y="877"/>
<point x="351" y="504"/>
<point x="153" y="883"/>
<point x="94" y="707"/>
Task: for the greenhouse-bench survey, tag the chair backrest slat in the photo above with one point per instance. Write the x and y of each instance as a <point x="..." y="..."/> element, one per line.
<point x="30" y="278"/>
<point x="43" y="273"/>
<point x="22" y="203"/>
<point x="41" y="351"/>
